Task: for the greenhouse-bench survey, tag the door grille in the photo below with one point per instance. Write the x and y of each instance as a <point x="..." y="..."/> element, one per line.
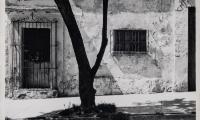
<point x="34" y="67"/>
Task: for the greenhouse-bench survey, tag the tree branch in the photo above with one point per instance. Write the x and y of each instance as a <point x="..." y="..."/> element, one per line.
<point x="104" y="39"/>
<point x="74" y="32"/>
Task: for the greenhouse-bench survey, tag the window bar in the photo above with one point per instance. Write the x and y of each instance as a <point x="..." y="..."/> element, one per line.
<point x="40" y="66"/>
<point x="37" y="69"/>
<point x="116" y="42"/>
<point x="138" y="41"/>
<point x="32" y="69"/>
<point x="124" y="41"/>
<point x="45" y="64"/>
<point x="25" y="66"/>
<point x="29" y="25"/>
<point x="15" y="59"/>
<point x="129" y="41"/>
<point x="16" y="56"/>
<point x="132" y="40"/>
<point x="12" y="64"/>
<point x="146" y="42"/>
<point x="23" y="59"/>
<point x="119" y="41"/>
<point x="23" y="69"/>
<point x="131" y="45"/>
<point x="135" y="41"/>
<point x="56" y="52"/>
<point x="110" y="40"/>
<point x="51" y="61"/>
<point x="19" y="46"/>
<point x="56" y="42"/>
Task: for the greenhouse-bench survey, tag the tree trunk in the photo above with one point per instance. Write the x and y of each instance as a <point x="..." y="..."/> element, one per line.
<point x="86" y="90"/>
<point x="86" y="73"/>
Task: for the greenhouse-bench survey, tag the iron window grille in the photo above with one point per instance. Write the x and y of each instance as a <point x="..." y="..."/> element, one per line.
<point x="129" y="41"/>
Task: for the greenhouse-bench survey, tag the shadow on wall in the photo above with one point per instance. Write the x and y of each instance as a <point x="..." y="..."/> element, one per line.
<point x="141" y="64"/>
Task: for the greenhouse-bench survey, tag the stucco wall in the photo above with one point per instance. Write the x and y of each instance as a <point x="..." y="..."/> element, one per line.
<point x="163" y="68"/>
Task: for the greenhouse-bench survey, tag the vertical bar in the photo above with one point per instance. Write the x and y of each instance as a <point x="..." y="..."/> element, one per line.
<point x="125" y="41"/>
<point x="23" y="59"/>
<point x="15" y="61"/>
<point x="138" y="41"/>
<point x="19" y="72"/>
<point x="147" y="46"/>
<point x="33" y="67"/>
<point x="49" y="60"/>
<point x="56" y="52"/>
<point x="135" y="41"/>
<point x="132" y="41"/>
<point x="119" y="45"/>
<point x="51" y="55"/>
<point x="22" y="56"/>
<point x="37" y="69"/>
<point x="29" y="25"/>
<point x="129" y="37"/>
<point x="110" y="40"/>
<point x="12" y="43"/>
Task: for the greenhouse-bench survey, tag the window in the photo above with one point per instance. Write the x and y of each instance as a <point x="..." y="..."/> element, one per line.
<point x="129" y="41"/>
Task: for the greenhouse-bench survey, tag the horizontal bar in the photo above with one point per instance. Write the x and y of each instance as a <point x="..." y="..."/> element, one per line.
<point x="39" y="68"/>
<point x="53" y="22"/>
<point x="126" y="52"/>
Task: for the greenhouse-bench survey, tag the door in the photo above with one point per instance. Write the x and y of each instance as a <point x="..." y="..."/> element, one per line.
<point x="36" y="57"/>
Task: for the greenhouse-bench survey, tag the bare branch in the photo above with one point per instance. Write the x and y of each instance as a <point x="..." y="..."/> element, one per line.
<point x="104" y="39"/>
<point x="75" y="35"/>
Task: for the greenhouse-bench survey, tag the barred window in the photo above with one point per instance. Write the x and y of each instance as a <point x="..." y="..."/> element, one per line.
<point x="129" y="41"/>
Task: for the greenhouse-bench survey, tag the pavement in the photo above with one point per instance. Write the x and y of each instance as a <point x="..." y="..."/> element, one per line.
<point x="158" y="103"/>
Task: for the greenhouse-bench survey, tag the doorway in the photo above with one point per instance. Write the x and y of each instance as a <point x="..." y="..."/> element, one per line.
<point x="36" y="57"/>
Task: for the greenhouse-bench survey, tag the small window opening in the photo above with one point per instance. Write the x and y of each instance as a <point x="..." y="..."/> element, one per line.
<point x="130" y="41"/>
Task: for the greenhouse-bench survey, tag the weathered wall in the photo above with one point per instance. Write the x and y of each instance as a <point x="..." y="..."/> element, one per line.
<point x="163" y="68"/>
<point x="181" y="44"/>
<point x="15" y="82"/>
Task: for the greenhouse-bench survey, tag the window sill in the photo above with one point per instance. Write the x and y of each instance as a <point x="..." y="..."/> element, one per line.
<point x="128" y="53"/>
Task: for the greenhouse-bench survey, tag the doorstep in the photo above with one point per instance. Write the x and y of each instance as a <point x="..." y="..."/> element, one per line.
<point x="34" y="93"/>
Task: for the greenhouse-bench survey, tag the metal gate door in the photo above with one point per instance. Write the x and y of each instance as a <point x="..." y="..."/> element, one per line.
<point x="35" y="55"/>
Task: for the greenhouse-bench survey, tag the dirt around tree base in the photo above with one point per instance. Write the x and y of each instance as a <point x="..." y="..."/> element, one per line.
<point x="120" y="116"/>
<point x="108" y="112"/>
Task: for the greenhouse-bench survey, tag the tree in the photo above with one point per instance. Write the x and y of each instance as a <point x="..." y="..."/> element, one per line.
<point x="86" y="73"/>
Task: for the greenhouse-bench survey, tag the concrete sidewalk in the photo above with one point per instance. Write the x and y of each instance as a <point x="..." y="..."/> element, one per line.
<point x="179" y="103"/>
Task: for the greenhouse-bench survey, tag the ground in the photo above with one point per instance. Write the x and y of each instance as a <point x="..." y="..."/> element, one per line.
<point x="149" y="104"/>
